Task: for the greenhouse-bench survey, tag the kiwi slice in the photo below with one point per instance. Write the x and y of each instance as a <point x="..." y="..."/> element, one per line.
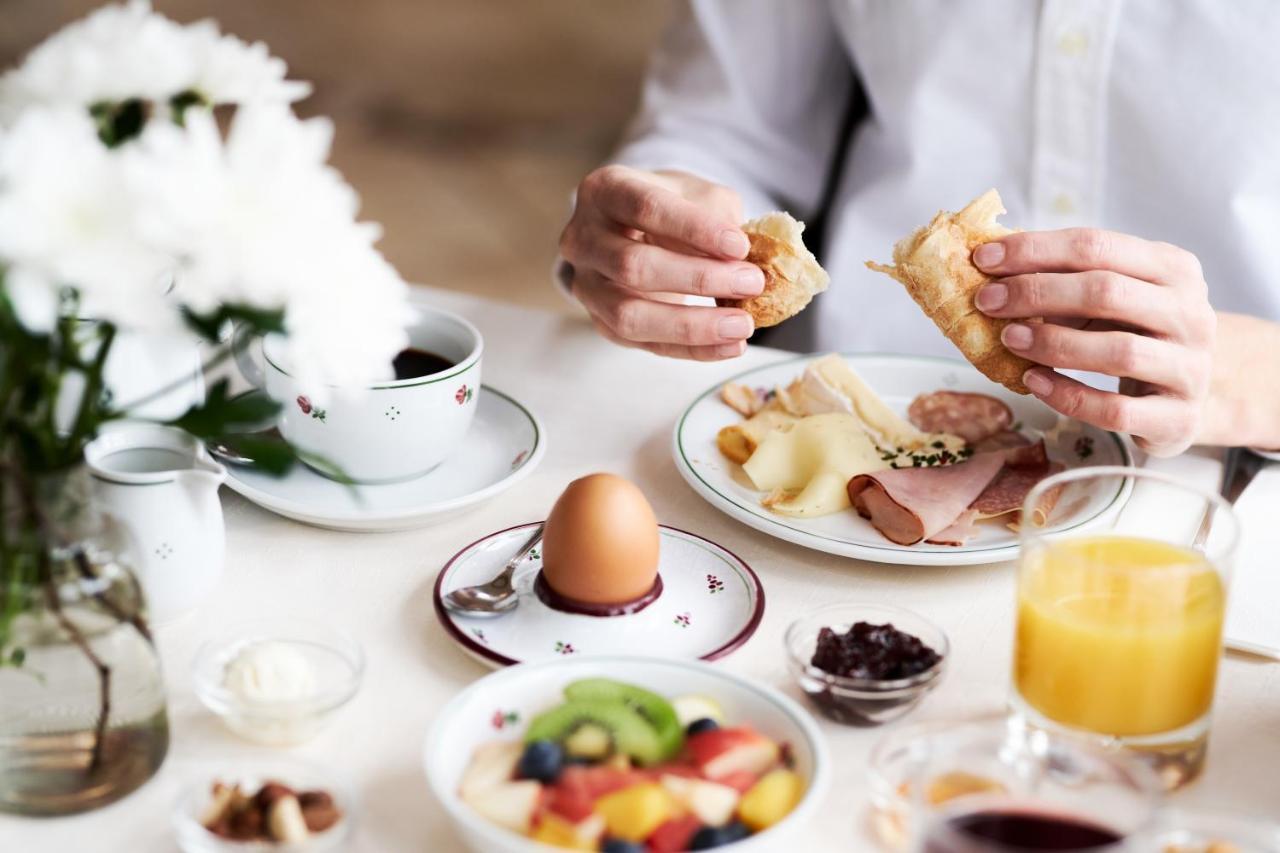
<point x="580" y="720"/>
<point x="655" y="710"/>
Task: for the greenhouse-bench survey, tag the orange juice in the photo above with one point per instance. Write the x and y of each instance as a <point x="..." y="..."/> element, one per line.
<point x="1118" y="635"/>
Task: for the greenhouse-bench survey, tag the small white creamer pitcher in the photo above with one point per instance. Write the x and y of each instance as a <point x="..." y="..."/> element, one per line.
<point x="161" y="487"/>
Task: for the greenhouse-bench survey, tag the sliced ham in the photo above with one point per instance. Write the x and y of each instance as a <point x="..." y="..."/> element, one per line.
<point x="909" y="505"/>
<point x="961" y="530"/>
<point x="973" y="417"/>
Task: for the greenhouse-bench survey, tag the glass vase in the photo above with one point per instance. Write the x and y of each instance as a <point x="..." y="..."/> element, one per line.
<point x="82" y="701"/>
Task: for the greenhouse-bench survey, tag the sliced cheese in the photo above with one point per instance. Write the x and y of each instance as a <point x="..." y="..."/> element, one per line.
<point x="812" y="463"/>
<point x="886" y="428"/>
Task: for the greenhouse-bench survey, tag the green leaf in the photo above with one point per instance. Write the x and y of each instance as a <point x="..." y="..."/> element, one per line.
<point x="272" y="455"/>
<point x="120" y="121"/>
<point x="184" y="101"/>
<point x="212" y="324"/>
<point x="220" y="414"/>
<point x="17" y="657"/>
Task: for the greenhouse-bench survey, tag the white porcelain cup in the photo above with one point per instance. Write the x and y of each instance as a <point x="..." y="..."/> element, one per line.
<point x="161" y="488"/>
<point x="394" y="430"/>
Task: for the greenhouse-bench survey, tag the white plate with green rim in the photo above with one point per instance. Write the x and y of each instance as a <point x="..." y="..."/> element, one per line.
<point x="711" y="603"/>
<point x="505" y="443"/>
<point x="897" y="379"/>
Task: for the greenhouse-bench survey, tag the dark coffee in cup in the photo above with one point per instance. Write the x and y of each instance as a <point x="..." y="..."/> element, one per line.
<point x="412" y="363"/>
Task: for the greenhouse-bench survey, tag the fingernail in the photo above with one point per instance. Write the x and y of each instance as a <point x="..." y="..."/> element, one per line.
<point x="748" y="281"/>
<point x="1016" y="336"/>
<point x="1037" y="383"/>
<point x="729" y="350"/>
<point x="988" y="255"/>
<point x="992" y="297"/>
<point x="738" y="327"/>
<point x="734" y="243"/>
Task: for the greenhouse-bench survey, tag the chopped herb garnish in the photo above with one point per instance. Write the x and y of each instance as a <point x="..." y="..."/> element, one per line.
<point x="939" y="445"/>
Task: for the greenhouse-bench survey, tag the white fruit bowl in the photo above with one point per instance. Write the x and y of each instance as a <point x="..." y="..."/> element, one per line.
<point x="499" y="706"/>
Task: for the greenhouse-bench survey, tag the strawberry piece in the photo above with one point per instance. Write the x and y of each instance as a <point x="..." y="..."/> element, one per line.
<point x="740" y="780"/>
<point x="721" y="752"/>
<point x="674" y="835"/>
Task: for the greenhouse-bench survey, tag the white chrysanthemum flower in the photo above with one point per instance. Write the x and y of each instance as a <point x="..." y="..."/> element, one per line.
<point x="261" y="219"/>
<point x="128" y="51"/>
<point x="67" y="219"/>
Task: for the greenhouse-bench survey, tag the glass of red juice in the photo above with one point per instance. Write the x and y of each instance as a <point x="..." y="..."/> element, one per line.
<point x="999" y="786"/>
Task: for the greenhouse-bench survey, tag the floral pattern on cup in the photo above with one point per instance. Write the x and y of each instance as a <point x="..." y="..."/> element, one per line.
<point x="682" y="619"/>
<point x="714" y="584"/>
<point x="464" y="394"/>
<point x="563" y="648"/>
<point x="1084" y="446"/>
<point x="478" y="633"/>
<point x="307" y="409"/>
<point x="520" y="457"/>
<point x="501" y="719"/>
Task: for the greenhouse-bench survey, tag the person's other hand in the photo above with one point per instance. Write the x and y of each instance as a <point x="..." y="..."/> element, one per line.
<point x="637" y="237"/>
<point x="1113" y="304"/>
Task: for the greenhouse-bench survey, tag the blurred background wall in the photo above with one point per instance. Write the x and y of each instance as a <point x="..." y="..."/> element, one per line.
<point x="464" y="124"/>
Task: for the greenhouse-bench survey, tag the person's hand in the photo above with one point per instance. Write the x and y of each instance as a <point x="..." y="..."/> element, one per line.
<point x="637" y="237"/>
<point x="1113" y="304"/>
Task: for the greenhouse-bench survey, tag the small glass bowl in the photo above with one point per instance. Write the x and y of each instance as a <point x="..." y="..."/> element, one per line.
<point x="1200" y="832"/>
<point x="300" y="775"/>
<point x="862" y="701"/>
<point x="335" y="658"/>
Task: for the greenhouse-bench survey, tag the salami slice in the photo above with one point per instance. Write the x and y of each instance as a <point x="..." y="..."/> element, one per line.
<point x="1023" y="468"/>
<point x="908" y="505"/>
<point x="973" y="417"/>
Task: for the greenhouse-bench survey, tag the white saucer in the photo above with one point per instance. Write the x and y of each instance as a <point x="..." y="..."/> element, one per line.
<point x="711" y="603"/>
<point x="505" y="443"/>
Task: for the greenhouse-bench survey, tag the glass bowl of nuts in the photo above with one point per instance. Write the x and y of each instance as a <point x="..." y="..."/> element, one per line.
<point x="265" y="806"/>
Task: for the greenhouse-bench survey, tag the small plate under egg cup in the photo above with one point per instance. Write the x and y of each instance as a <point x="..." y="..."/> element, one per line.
<point x="708" y="604"/>
<point x="333" y="659"/>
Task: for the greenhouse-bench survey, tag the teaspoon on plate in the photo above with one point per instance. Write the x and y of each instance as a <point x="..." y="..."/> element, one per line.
<point x="498" y="596"/>
<point x="224" y="452"/>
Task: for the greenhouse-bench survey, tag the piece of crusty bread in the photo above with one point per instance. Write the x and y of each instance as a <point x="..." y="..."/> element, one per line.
<point x="936" y="265"/>
<point x="792" y="274"/>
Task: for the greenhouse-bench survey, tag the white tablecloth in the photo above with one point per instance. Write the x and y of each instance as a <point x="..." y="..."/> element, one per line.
<point x="610" y="409"/>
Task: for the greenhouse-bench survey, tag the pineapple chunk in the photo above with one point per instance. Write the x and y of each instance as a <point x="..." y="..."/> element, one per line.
<point x="633" y="813"/>
<point x="771" y="799"/>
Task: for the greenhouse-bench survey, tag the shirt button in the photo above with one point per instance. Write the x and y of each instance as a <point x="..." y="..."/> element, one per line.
<point x="1073" y="43"/>
<point x="1064" y="204"/>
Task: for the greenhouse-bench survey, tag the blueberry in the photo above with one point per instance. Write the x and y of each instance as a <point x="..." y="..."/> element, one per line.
<point x="541" y="760"/>
<point x="706" y="724"/>
<point x="618" y="845"/>
<point x="718" y="836"/>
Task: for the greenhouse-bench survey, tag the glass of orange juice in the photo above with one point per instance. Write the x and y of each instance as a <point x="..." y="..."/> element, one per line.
<point x="1119" y="632"/>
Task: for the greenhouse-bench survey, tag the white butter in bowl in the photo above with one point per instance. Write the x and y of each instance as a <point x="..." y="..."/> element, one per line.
<point x="278" y="682"/>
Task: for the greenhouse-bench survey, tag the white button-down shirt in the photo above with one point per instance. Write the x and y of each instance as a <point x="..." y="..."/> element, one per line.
<point x="1160" y="118"/>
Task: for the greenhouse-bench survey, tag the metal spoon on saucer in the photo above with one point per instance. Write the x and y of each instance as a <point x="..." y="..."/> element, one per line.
<point x="498" y="596"/>
<point x="228" y="454"/>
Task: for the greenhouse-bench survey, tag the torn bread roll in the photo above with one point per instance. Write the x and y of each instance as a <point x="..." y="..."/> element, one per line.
<point x="935" y="264"/>
<point x="792" y="274"/>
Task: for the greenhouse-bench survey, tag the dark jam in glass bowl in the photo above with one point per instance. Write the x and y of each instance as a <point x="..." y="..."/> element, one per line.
<point x="876" y="672"/>
<point x="877" y="652"/>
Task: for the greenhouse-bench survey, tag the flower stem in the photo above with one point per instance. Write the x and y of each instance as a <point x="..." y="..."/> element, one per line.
<point x="222" y="355"/>
<point x="104" y="671"/>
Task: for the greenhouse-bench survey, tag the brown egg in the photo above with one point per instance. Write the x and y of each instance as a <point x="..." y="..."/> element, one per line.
<point x="600" y="544"/>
